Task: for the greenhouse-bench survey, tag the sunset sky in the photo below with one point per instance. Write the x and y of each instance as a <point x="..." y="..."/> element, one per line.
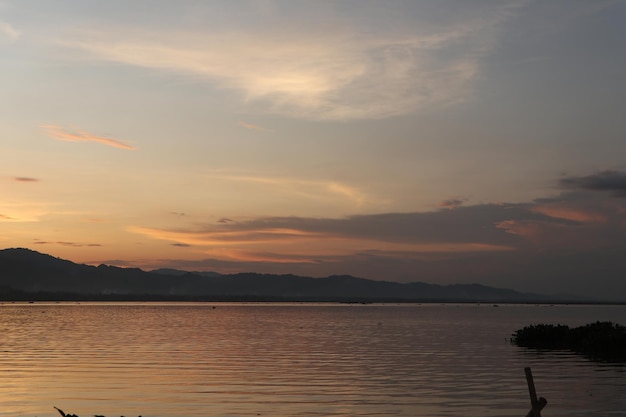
<point x="438" y="141"/>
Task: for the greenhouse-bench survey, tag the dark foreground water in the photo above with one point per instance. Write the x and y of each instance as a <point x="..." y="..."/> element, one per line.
<point x="295" y="360"/>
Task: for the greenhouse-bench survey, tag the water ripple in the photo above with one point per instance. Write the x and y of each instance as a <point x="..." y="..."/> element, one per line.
<point x="293" y="360"/>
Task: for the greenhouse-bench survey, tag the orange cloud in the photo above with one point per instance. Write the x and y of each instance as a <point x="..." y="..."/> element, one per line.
<point x="222" y="238"/>
<point x="291" y="245"/>
<point x="58" y="133"/>
<point x="570" y="213"/>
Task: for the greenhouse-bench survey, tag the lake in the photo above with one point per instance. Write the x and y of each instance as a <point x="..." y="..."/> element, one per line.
<point x="195" y="359"/>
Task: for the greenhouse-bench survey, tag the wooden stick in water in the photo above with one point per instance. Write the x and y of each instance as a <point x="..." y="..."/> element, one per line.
<point x="540" y="404"/>
<point x="536" y="404"/>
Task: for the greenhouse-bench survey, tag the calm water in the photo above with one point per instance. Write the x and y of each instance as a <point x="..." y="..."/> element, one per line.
<point x="294" y="360"/>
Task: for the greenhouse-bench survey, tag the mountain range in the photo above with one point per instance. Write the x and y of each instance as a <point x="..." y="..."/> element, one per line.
<point x="26" y="274"/>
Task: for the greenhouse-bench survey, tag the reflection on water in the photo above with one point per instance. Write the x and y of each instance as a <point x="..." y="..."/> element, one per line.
<point x="294" y="360"/>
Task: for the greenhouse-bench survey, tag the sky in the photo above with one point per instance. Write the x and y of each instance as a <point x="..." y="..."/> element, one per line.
<point x="440" y="141"/>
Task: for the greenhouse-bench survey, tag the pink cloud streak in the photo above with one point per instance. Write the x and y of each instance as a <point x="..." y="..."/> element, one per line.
<point x="59" y="133"/>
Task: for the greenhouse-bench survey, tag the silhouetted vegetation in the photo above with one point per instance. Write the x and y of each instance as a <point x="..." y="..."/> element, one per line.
<point x="603" y="341"/>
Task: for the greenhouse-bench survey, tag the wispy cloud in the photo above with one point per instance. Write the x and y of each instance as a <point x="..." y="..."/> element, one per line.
<point x="311" y="189"/>
<point x="219" y="237"/>
<point x="181" y="245"/>
<point x="565" y="211"/>
<point x="336" y="74"/>
<point x="452" y="203"/>
<point x="60" y="133"/>
<point x="9" y="31"/>
<point x="22" y="211"/>
<point x="70" y="244"/>
<point x="25" y="179"/>
<point x="610" y="180"/>
<point x="251" y="126"/>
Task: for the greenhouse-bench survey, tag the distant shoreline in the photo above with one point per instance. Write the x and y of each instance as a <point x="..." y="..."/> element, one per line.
<point x="49" y="297"/>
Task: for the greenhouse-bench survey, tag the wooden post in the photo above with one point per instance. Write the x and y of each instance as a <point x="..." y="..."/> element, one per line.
<point x="536" y="404"/>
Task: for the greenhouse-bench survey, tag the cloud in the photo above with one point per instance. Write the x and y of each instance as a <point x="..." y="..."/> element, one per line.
<point x="547" y="235"/>
<point x="613" y="181"/>
<point x="572" y="242"/>
<point x="560" y="210"/>
<point x="574" y="222"/>
<point x="250" y="126"/>
<point x="181" y="245"/>
<point x="310" y="189"/>
<point x="338" y="72"/>
<point x="9" y="31"/>
<point x="452" y="203"/>
<point x="25" y="179"/>
<point x="265" y="243"/>
<point x="309" y="239"/>
<point x="22" y="211"/>
<point x="71" y="244"/>
<point x="59" y="133"/>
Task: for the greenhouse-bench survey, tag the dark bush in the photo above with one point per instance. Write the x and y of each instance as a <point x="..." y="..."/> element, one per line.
<point x="604" y="341"/>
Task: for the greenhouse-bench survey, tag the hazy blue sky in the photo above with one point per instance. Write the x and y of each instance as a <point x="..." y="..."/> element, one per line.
<point x="437" y="141"/>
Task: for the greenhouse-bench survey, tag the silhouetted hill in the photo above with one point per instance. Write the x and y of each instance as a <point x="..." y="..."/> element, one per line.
<point x="178" y="272"/>
<point x="26" y="272"/>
